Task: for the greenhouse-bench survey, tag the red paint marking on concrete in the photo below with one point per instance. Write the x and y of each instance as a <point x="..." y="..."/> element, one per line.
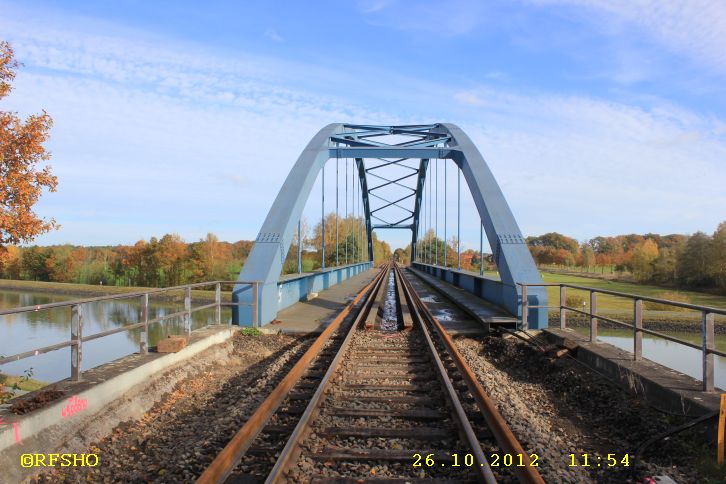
<point x="16" y="429"/>
<point x="74" y="406"/>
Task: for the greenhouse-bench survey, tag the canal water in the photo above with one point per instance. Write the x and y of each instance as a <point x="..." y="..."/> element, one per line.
<point x="673" y="355"/>
<point x="27" y="331"/>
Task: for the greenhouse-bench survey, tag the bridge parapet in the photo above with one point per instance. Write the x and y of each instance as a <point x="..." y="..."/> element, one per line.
<point x="275" y="296"/>
<point x="506" y="296"/>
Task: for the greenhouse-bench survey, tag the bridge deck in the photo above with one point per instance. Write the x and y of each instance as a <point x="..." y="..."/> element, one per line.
<point x="313" y="316"/>
<point x="484" y="313"/>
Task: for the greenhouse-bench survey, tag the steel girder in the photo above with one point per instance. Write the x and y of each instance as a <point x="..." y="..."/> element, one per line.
<point x="423" y="142"/>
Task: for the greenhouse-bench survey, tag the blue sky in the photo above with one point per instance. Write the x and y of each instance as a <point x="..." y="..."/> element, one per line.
<point x="596" y="117"/>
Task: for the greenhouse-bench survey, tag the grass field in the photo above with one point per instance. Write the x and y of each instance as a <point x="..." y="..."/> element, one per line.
<point x="608" y="302"/>
<point x="620" y="304"/>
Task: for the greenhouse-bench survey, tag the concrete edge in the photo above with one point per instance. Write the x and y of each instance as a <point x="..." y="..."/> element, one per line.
<point x="641" y="385"/>
<point x="100" y="395"/>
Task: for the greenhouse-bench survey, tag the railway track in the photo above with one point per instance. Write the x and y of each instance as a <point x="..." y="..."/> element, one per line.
<point x="383" y="399"/>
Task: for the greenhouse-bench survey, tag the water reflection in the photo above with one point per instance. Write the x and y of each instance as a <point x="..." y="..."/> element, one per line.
<point x="26" y="331"/>
<point x="667" y="353"/>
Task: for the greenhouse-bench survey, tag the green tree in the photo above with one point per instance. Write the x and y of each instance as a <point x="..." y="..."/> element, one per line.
<point x="718" y="257"/>
<point x="694" y="264"/>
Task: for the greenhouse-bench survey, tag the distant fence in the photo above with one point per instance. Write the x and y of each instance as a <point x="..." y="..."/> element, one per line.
<point x="77" y="337"/>
<point x="707" y="321"/>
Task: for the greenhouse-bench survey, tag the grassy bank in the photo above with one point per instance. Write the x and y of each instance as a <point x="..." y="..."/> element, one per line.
<point x="607" y="302"/>
<point x="82" y="291"/>
<point x="23" y="384"/>
<point x="613" y="303"/>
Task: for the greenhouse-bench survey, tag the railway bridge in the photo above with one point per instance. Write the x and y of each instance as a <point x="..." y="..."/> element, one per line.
<point x="397" y="172"/>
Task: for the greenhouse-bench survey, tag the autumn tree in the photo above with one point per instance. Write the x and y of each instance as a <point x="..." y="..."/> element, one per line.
<point x="210" y="258"/>
<point x="403" y="256"/>
<point x="21" y="149"/>
<point x="173" y="254"/>
<point x="643" y="256"/>
<point x="381" y="251"/>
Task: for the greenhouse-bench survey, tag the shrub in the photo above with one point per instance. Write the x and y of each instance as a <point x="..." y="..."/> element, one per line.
<point x="574" y="301"/>
<point x="671" y="296"/>
<point x="251" y="332"/>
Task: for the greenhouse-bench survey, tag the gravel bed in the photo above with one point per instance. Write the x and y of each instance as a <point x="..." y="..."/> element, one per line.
<point x="182" y="433"/>
<point x="558" y="407"/>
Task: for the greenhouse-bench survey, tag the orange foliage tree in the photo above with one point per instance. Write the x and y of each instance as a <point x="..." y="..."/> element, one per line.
<point x="21" y="149"/>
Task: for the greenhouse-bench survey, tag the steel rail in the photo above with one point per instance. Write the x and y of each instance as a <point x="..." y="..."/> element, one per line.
<point x="225" y="462"/>
<point x="496" y="423"/>
<point x="483" y="471"/>
<point x="291" y="451"/>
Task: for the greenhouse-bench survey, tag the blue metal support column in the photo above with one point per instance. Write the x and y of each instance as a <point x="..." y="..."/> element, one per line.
<point x="322" y="219"/>
<point x="446" y="242"/>
<point x="436" y="235"/>
<point x="347" y="218"/>
<point x="417" y="205"/>
<point x="481" y="248"/>
<point x="337" y="178"/>
<point x="458" y="220"/>
<point x="299" y="246"/>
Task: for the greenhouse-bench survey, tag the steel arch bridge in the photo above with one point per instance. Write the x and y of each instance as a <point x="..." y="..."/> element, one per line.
<point x="391" y="164"/>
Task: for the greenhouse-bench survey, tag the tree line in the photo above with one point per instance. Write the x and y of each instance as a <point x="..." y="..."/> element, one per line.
<point x="693" y="261"/>
<point x="171" y="261"/>
<point x="168" y="261"/>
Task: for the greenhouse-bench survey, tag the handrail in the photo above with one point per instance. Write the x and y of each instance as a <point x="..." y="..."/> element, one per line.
<point x="696" y="307"/>
<point x="707" y="347"/>
<point x="77" y="338"/>
<point x="109" y="297"/>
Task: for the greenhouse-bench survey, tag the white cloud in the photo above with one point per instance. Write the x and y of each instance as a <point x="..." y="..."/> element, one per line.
<point x="601" y="166"/>
<point x="274" y="36"/>
<point x="696" y="28"/>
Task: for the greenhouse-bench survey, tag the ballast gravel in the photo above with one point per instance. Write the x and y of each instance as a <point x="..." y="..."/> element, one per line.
<point x="557" y="407"/>
<point x="182" y="433"/>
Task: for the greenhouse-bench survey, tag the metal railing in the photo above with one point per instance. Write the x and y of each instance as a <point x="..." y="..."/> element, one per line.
<point x="77" y="309"/>
<point x="707" y="347"/>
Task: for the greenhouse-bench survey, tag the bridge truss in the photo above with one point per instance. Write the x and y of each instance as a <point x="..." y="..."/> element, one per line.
<point x="392" y="164"/>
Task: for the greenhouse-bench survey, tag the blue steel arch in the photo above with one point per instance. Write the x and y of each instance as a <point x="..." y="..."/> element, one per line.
<point x="265" y="260"/>
<point x="442" y="140"/>
<point x="511" y="253"/>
